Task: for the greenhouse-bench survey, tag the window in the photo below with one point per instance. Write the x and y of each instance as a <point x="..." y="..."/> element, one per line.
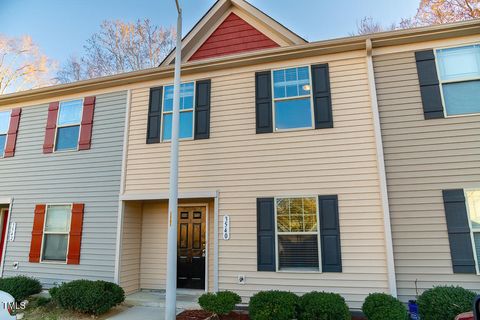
<point x="459" y="75"/>
<point x="473" y="205"/>
<point x="68" y="125"/>
<point x="297" y="233"/>
<point x="186" y="111"/>
<point x="55" y="233"/>
<point x="4" y="125"/>
<point x="292" y="98"/>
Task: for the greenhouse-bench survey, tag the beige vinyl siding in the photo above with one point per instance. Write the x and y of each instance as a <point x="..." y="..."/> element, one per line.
<point x="243" y="166"/>
<point x="131" y="247"/>
<point x="422" y="158"/>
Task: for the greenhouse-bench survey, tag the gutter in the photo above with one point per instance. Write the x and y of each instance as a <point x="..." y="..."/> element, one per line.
<point x="392" y="283"/>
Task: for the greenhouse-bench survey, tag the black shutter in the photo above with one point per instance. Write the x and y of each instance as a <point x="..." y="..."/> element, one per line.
<point x="330" y="234"/>
<point x="322" y="100"/>
<point x="429" y="85"/>
<point x="265" y="234"/>
<point x="154" y="115"/>
<point x="202" y="110"/>
<point x="458" y="231"/>
<point x="263" y="102"/>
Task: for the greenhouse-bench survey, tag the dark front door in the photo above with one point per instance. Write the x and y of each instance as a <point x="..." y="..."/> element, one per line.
<point x="191" y="247"/>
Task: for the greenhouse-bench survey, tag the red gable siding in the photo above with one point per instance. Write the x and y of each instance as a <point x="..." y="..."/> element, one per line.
<point x="233" y="35"/>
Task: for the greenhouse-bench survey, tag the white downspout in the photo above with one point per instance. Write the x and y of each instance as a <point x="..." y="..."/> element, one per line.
<point x="392" y="282"/>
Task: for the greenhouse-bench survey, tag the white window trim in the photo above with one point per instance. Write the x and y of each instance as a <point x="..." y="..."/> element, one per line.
<point x="171" y="112"/>
<point x="68" y="125"/>
<point x="441" y="82"/>
<point x="472" y="231"/>
<point x="43" y="233"/>
<point x="293" y="98"/>
<point x="6" y="133"/>
<point x="277" y="255"/>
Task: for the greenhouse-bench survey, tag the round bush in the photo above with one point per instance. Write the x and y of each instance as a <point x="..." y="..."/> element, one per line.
<point x="222" y="302"/>
<point x="379" y="306"/>
<point x="445" y="303"/>
<point x="278" y="305"/>
<point x="323" y="306"/>
<point x="91" y="297"/>
<point x="20" y="287"/>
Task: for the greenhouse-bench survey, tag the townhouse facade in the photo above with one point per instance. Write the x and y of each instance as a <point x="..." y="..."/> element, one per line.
<point x="342" y="165"/>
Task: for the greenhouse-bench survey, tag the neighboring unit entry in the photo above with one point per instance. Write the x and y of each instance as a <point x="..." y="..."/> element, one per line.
<point x="226" y="227"/>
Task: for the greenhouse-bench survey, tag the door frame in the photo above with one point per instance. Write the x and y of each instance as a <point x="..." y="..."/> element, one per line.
<point x="9" y="201"/>
<point x="207" y="242"/>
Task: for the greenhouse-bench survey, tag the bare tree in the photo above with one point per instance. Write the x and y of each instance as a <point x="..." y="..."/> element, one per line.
<point x="446" y="11"/>
<point x="119" y="47"/>
<point x="22" y="65"/>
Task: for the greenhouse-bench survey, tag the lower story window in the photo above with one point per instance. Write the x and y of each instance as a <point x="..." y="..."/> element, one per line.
<point x="297" y="233"/>
<point x="473" y="199"/>
<point x="56" y="232"/>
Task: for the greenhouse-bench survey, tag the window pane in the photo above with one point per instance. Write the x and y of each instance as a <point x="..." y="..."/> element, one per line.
<point x="168" y="99"/>
<point x="70" y="112"/>
<point x="298" y="251"/>
<point x="186" y="124"/>
<point x="473" y="199"/>
<point x="67" y="138"/>
<point x="279" y="83"/>
<point x="457" y="63"/>
<point x="462" y="97"/>
<point x="3" y="139"/>
<point x="186" y="97"/>
<point x="293" y="114"/>
<point x="291" y="85"/>
<point x="58" y="219"/>
<point x="55" y="247"/>
<point x="4" y="122"/>
<point x="296" y="214"/>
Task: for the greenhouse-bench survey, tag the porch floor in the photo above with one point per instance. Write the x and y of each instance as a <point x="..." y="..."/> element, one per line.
<point x="186" y="299"/>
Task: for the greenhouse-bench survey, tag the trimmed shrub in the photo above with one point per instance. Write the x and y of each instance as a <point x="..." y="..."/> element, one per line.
<point x="323" y="306"/>
<point x="219" y="303"/>
<point x="90" y="297"/>
<point x="20" y="287"/>
<point x="378" y="306"/>
<point x="445" y="302"/>
<point x="278" y="305"/>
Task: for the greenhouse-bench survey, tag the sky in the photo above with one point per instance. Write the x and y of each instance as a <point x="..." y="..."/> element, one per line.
<point x="61" y="27"/>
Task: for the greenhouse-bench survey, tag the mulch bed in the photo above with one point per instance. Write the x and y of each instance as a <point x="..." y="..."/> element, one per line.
<point x="202" y="315"/>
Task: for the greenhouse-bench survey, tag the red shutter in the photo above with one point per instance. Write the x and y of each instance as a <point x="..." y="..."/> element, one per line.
<point x="37" y="233"/>
<point x="87" y="123"/>
<point x="49" y="143"/>
<point x="12" y="132"/>
<point x="73" y="255"/>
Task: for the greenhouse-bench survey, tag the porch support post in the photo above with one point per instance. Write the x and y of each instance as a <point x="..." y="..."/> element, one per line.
<point x="171" y="288"/>
<point x="215" y="244"/>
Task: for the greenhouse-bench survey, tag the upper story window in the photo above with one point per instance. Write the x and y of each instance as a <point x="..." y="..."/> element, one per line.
<point x="187" y="93"/>
<point x="459" y="75"/>
<point x="56" y="232"/>
<point x="297" y="233"/>
<point x="473" y="201"/>
<point x="68" y="125"/>
<point x="4" y="126"/>
<point x="292" y="99"/>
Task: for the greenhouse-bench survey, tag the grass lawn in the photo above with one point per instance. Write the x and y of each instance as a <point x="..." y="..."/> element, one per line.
<point x="41" y="309"/>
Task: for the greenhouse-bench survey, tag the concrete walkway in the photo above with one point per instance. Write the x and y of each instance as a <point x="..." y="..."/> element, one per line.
<point x="150" y="305"/>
